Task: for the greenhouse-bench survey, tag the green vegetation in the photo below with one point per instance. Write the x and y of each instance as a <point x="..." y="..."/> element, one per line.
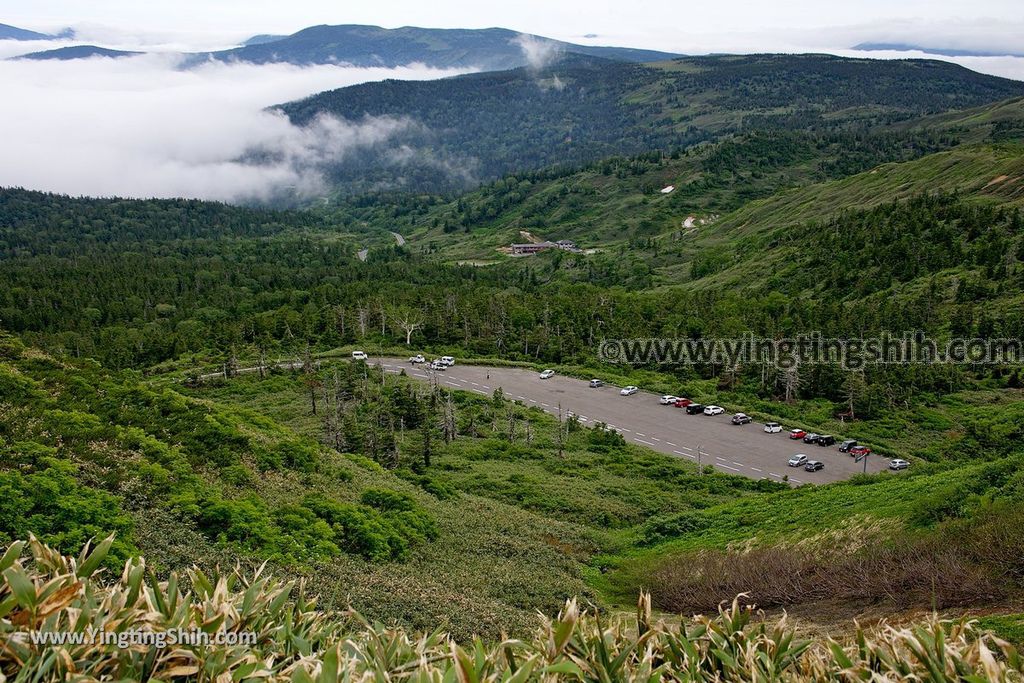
<point x="479" y="127"/>
<point x="823" y="194"/>
<point x="297" y="642"/>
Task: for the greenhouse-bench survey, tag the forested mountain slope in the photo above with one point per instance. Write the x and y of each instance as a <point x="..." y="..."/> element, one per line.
<point x="477" y="127"/>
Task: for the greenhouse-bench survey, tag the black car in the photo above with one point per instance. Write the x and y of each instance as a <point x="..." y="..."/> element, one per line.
<point x="811" y="438"/>
<point x="845" y="446"/>
<point x="814" y="465"/>
<point x="826" y="440"/>
<point x="695" y="409"/>
<point x="740" y="419"/>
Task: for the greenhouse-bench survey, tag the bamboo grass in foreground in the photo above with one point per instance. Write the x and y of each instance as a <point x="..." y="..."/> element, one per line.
<point x="42" y="590"/>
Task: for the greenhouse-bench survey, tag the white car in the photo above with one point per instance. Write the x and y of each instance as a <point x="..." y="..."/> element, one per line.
<point x="772" y="427"/>
<point x="438" y="365"/>
<point x="629" y="391"/>
<point x="898" y="464"/>
<point x="448" y="360"/>
<point x="668" y="400"/>
<point x="358" y="355"/>
<point x="418" y="358"/>
<point x="547" y="374"/>
<point x="714" y="410"/>
<point x="798" y="460"/>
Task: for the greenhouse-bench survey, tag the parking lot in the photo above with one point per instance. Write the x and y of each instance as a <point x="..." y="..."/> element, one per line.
<point x="735" y="449"/>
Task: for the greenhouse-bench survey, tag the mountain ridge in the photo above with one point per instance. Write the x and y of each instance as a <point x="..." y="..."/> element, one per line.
<point x="486" y="49"/>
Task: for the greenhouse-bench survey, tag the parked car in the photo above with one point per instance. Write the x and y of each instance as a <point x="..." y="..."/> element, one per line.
<point x="595" y="383"/>
<point x="772" y="427"/>
<point x="358" y="355"/>
<point x="826" y="440"/>
<point x="547" y="374"/>
<point x="740" y="419"/>
<point x="811" y="438"/>
<point x="798" y="460"/>
<point x="814" y="466"/>
<point x="694" y="409"/>
<point x="859" y="451"/>
<point x="628" y="391"/>
<point x="714" y="410"/>
<point x="668" y="400"/>
<point x="898" y="464"/>
<point x="448" y="360"/>
<point x="797" y="434"/>
<point x="682" y="402"/>
<point x="845" y="446"/>
<point x="418" y="358"/>
<point x="438" y="365"/>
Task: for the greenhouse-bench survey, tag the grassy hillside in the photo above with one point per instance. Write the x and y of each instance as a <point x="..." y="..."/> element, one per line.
<point x="397" y="519"/>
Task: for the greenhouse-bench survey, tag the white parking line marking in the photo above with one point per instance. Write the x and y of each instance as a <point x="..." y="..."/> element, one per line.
<point x="420" y="374"/>
<point x="626" y="430"/>
<point x="756" y="469"/>
<point x="796" y="481"/>
<point x="772" y="474"/>
<point x="474" y="384"/>
<point x="545" y="405"/>
<point x="727" y="467"/>
<point x="646" y="443"/>
<point x="686" y="448"/>
<point x="485" y="386"/>
<point x="639" y="434"/>
<point x="738" y="463"/>
<point x="480" y="392"/>
<point x="681" y="453"/>
<point x="521" y="398"/>
<point x="671" y="444"/>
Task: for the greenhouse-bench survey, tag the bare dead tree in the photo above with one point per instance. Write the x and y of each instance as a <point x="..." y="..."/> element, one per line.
<point x="408" y="321"/>
<point x="560" y="434"/>
<point x="362" y="319"/>
<point x="792" y="382"/>
<point x="449" y="424"/>
<point x="510" y="421"/>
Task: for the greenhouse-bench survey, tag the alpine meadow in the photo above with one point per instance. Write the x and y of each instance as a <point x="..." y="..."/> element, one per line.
<point x="477" y="402"/>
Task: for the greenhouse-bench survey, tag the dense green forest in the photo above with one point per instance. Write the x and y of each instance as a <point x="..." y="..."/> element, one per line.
<point x="478" y="127"/>
<point x="856" y="206"/>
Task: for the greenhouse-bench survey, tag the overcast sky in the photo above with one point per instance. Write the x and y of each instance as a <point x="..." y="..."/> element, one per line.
<point x="676" y="25"/>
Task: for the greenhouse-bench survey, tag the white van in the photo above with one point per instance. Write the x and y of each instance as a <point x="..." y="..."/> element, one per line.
<point x="448" y="360"/>
<point x="359" y="355"/>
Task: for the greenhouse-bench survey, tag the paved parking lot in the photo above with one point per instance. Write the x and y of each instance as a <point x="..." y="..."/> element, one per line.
<point x="736" y="449"/>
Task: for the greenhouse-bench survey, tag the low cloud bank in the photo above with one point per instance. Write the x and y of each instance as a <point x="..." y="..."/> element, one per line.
<point x="140" y="127"/>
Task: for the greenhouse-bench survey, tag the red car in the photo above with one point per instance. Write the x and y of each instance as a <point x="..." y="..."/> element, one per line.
<point x="858" y="451"/>
<point x="797" y="434"/>
<point x="682" y="402"/>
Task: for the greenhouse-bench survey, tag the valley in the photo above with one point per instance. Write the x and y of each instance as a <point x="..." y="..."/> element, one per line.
<point x="207" y="385"/>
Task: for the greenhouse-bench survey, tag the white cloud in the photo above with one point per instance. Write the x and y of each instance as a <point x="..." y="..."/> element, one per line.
<point x="141" y="127"/>
<point x="538" y="52"/>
